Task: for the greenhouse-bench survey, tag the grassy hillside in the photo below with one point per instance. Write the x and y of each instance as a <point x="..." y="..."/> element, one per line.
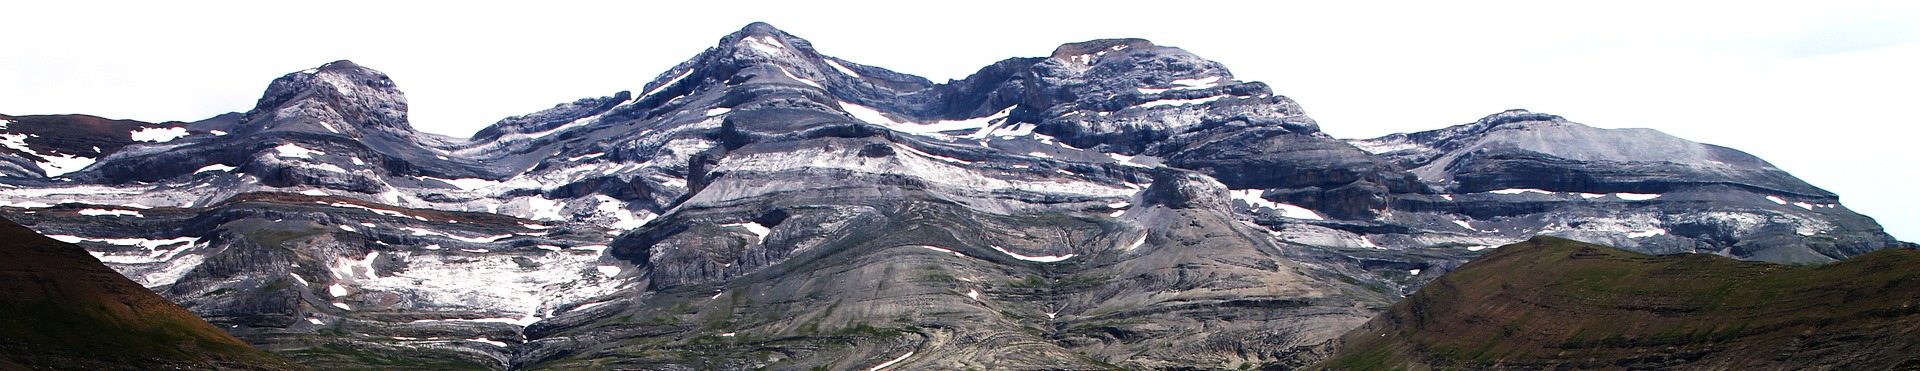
<point x="1551" y="303"/>
<point x="61" y="309"/>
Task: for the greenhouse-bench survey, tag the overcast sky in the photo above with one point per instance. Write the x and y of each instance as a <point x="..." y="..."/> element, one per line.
<point x="1825" y="90"/>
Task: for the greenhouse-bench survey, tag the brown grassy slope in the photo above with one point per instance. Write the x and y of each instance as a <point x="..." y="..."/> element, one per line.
<point x="75" y="134"/>
<point x="61" y="309"/>
<point x="1551" y="303"/>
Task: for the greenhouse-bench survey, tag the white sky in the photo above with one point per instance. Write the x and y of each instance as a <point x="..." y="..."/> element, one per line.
<point x="1822" y="89"/>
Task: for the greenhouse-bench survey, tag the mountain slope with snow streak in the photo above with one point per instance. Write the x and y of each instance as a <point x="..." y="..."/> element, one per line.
<point x="1115" y="203"/>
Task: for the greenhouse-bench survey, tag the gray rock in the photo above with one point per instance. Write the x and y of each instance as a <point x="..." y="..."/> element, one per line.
<point x="1116" y="203"/>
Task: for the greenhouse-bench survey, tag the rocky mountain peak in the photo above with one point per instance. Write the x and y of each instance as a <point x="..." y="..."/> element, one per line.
<point x="762" y="39"/>
<point x="340" y="97"/>
<point x="1515" y="115"/>
<point x="1085" y="51"/>
<point x="759" y="28"/>
<point x="756" y="54"/>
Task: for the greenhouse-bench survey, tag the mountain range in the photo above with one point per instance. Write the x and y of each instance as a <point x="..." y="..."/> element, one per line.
<point x="1114" y="204"/>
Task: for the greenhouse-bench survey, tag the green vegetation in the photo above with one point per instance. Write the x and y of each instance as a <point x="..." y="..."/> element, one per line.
<point x="273" y="237"/>
<point x="62" y="309"/>
<point x="276" y="285"/>
<point x="1556" y="303"/>
<point x="348" y="357"/>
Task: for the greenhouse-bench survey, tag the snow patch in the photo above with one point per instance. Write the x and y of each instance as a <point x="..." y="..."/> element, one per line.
<point x="424" y="232"/>
<point x="1142" y="241"/>
<point x="790" y="75"/>
<point x="935" y="172"/>
<point x="623" y="220"/>
<point x="1636" y="196"/>
<point x="545" y="209"/>
<point x="373" y="210"/>
<point x="867" y="114"/>
<point x="1179" y="102"/>
<point x="765" y="44"/>
<point x="843" y="69"/>
<point x="884" y="365"/>
<point x="608" y="270"/>
<point x="656" y="89"/>
<point x="159" y="135"/>
<point x="467" y="184"/>
<point x="291" y="150"/>
<point x="930" y="155"/>
<point x="63" y="164"/>
<point x="710" y="113"/>
<point x="1777" y="200"/>
<point x="519" y="321"/>
<point x="978" y="123"/>
<point x="944" y="250"/>
<point x="517" y="287"/>
<point x="1042" y="259"/>
<point x="1515" y="191"/>
<point x="342" y="306"/>
<point x="598" y="154"/>
<point x="1199" y="83"/>
<point x="759" y="231"/>
<point x="336" y="290"/>
<point x="214" y="167"/>
<point x="100" y="212"/>
<point x="1252" y="198"/>
<point x="588" y="306"/>
<point x="25" y="204"/>
<point x="143" y="243"/>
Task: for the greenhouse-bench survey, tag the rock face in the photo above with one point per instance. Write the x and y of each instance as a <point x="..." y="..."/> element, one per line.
<point x="1117" y="203"/>
<point x="63" y="310"/>
<point x="54" y="145"/>
<point x="1551" y="303"/>
<point x="1638" y="189"/>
